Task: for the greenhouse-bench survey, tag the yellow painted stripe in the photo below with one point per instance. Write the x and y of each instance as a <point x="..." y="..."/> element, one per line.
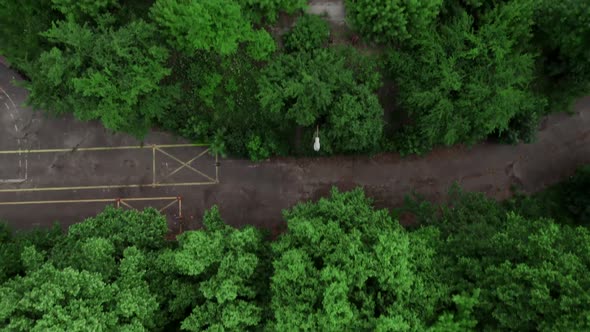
<point x="149" y="199"/>
<point x="104" y="148"/>
<point x="96" y="200"/>
<point x="16" y="190"/>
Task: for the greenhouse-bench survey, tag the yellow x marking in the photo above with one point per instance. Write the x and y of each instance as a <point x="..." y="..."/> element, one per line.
<point x="186" y="164"/>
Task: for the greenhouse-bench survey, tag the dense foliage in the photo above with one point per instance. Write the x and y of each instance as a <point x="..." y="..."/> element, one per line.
<point x="467" y="83"/>
<point x="216" y="71"/>
<point x="215" y="25"/>
<point x="563" y="34"/>
<point x="339" y="98"/>
<point x="344" y="266"/>
<point x="390" y="21"/>
<point x="103" y="73"/>
<point x="311" y="32"/>
<point x="471" y="264"/>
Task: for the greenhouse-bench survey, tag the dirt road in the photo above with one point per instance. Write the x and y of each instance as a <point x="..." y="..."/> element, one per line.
<point x="246" y="192"/>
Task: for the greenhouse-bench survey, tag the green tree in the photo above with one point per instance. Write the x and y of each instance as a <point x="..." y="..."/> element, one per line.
<point x="563" y="34"/>
<point x="114" y="75"/>
<point x="389" y="21"/>
<point x="22" y="23"/>
<point x="213" y="25"/>
<point x="145" y="229"/>
<point x="225" y="267"/>
<point x="529" y="274"/>
<point x="47" y="298"/>
<point x="260" y="11"/>
<point x="311" y="32"/>
<point x="218" y="104"/>
<point x="329" y="88"/>
<point x="93" y="277"/>
<point x="467" y="84"/>
<point x="80" y="10"/>
<point x="343" y="266"/>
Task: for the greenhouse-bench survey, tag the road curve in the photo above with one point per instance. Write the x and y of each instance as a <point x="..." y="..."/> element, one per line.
<point x="255" y="193"/>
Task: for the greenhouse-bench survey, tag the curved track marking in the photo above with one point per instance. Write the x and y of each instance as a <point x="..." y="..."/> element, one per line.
<point x="11" y="111"/>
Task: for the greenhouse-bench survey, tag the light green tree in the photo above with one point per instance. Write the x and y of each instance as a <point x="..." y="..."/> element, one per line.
<point x="343" y="266"/>
<point x="226" y="269"/>
<point x="213" y="25"/>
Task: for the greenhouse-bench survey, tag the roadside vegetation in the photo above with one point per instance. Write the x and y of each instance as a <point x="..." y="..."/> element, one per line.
<point x="220" y="71"/>
<point x="471" y="264"/>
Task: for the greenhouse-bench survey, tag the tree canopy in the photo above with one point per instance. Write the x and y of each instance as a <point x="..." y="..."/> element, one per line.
<point x="113" y="75"/>
<point x="467" y="84"/>
<point x="339" y="98"/>
<point x="344" y="266"/>
<point x="390" y="21"/>
<point x="216" y="25"/>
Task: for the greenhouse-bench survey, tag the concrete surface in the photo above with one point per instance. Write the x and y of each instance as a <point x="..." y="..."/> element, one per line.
<point x="254" y="193"/>
<point x="333" y="9"/>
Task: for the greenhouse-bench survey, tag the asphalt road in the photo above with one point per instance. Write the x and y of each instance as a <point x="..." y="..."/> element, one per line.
<point x="246" y="192"/>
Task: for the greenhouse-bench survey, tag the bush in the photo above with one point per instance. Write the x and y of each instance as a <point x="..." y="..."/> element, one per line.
<point x="311" y="32"/>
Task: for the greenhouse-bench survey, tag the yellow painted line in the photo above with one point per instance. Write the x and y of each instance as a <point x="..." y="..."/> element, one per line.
<point x="60" y="201"/>
<point x="186" y="165"/>
<point x="216" y="169"/>
<point x="16" y="190"/>
<point x="149" y="198"/>
<point x="153" y="166"/>
<point x="96" y="200"/>
<point x="102" y="148"/>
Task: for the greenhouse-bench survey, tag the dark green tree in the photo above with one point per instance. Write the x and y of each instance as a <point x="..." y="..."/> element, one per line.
<point x="461" y="85"/>
<point x="219" y="105"/>
<point x="311" y="32"/>
<point x="114" y="75"/>
<point x="261" y="11"/>
<point x="12" y="244"/>
<point x="529" y="274"/>
<point x="22" y="24"/>
<point x="391" y="21"/>
<point x="81" y="10"/>
<point x="329" y="88"/>
<point x="562" y="31"/>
